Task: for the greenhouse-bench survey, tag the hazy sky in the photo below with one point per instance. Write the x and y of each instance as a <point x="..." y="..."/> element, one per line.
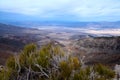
<point x="75" y="10"/>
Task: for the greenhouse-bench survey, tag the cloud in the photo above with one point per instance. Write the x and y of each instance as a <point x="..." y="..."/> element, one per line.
<point x="79" y="9"/>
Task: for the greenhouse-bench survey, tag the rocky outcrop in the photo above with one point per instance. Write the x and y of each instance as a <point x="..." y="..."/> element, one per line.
<point x="104" y="50"/>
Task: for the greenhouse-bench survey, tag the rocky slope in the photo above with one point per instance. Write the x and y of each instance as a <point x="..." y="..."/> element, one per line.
<point x="13" y="39"/>
<point x="104" y="50"/>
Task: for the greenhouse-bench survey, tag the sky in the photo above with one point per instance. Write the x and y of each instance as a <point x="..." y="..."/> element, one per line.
<point x="63" y="10"/>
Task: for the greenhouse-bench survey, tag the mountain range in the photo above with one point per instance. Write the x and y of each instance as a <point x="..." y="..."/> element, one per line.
<point x="32" y="21"/>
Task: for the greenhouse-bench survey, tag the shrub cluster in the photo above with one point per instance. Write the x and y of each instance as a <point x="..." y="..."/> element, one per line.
<point x="51" y="63"/>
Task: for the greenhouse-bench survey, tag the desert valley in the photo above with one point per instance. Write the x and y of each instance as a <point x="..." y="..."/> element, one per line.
<point x="97" y="48"/>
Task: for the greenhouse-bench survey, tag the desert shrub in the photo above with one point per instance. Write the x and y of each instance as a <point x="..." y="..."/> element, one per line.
<point x="104" y="72"/>
<point x="8" y="74"/>
<point x="2" y="75"/>
<point x="66" y="70"/>
<point x="11" y="63"/>
<point x="29" y="49"/>
<point x="51" y="63"/>
<point x="27" y="55"/>
<point x="83" y="74"/>
<point x="75" y="62"/>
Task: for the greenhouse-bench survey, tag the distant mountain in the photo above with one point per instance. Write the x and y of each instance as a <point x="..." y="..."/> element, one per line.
<point x="85" y="25"/>
<point x="32" y="21"/>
